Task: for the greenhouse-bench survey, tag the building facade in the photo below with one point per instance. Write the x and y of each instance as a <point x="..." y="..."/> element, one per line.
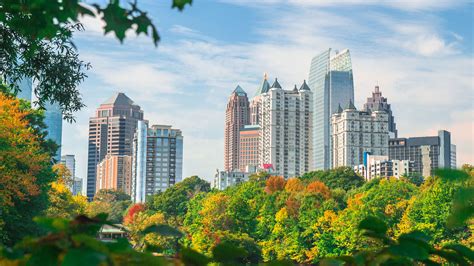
<point x="225" y="179"/>
<point x="286" y="124"/>
<point x="377" y="101"/>
<point x="53" y="119"/>
<point x="111" y="132"/>
<point x="331" y="81"/>
<point x="428" y="153"/>
<point x="256" y="102"/>
<point x="249" y="147"/>
<point x="157" y="160"/>
<point x="69" y="161"/>
<point x="453" y="157"/>
<point x="357" y="132"/>
<point x="381" y="166"/>
<point x="236" y="117"/>
<point x="115" y="172"/>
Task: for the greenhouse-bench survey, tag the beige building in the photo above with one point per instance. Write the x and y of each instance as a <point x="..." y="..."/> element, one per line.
<point x="376" y="166"/>
<point x="115" y="172"/>
<point x="249" y="148"/>
<point x="285" y="121"/>
<point x="355" y="132"/>
<point x="236" y="117"/>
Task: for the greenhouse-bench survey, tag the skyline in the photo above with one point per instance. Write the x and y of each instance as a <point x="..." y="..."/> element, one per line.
<point x="196" y="60"/>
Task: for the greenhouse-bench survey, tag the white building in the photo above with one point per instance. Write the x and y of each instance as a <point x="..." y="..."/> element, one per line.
<point x="157" y="160"/>
<point x="70" y="162"/>
<point x="225" y="179"/>
<point x="285" y="121"/>
<point x="380" y="166"/>
<point x="453" y="157"/>
<point x="355" y="132"/>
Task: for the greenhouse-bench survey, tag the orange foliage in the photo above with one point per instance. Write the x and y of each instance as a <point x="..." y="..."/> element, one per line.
<point x="130" y="216"/>
<point x="274" y="184"/>
<point x="21" y="156"/>
<point x="292" y="206"/>
<point x="294" y="185"/>
<point x="355" y="201"/>
<point x="318" y="187"/>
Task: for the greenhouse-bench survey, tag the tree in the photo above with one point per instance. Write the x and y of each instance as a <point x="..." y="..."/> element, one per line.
<point x="62" y="204"/>
<point x="294" y="185"/>
<point x="112" y="202"/>
<point x="274" y="184"/>
<point x="317" y="187"/>
<point x="341" y="177"/>
<point x="25" y="171"/>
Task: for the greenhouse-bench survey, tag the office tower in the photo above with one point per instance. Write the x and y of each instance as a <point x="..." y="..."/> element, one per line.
<point x="285" y="141"/>
<point x="225" y="179"/>
<point x="453" y="157"/>
<point x="356" y="132"/>
<point x="157" y="160"/>
<point x="111" y="132"/>
<point x="70" y="162"/>
<point x="237" y="115"/>
<point x="256" y="103"/>
<point x="77" y="187"/>
<point x="331" y="81"/>
<point x="53" y="119"/>
<point x="25" y="88"/>
<point x="115" y="172"/>
<point x="376" y="166"/>
<point x="249" y="145"/>
<point x="428" y="153"/>
<point x="380" y="102"/>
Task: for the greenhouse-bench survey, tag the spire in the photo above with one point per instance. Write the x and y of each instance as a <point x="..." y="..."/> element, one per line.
<point x="339" y="109"/>
<point x="377" y="90"/>
<point x="304" y="86"/>
<point x="239" y="91"/>
<point x="265" y="87"/>
<point x="119" y="99"/>
<point x="276" y="84"/>
<point x="351" y="106"/>
<point x="295" y="89"/>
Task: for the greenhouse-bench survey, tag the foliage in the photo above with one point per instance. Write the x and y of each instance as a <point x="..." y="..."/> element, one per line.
<point x="111" y="202"/>
<point x="274" y="184"/>
<point x="25" y="169"/>
<point x="341" y="177"/>
<point x="62" y="204"/>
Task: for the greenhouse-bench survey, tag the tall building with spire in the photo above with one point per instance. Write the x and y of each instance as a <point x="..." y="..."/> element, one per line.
<point x="377" y="101"/>
<point x="111" y="132"/>
<point x="331" y="81"/>
<point x="256" y="103"/>
<point x="236" y="117"/>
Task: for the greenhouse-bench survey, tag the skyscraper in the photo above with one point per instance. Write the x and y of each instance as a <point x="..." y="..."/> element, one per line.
<point x="428" y="153"/>
<point x="285" y="141"/>
<point x="237" y="115"/>
<point x="53" y="118"/>
<point x="256" y="103"/>
<point x="70" y="162"/>
<point x="380" y="102"/>
<point x="157" y="160"/>
<point x="249" y="158"/>
<point x="331" y="81"/>
<point x="357" y="132"/>
<point x="111" y="132"/>
<point x="115" y="172"/>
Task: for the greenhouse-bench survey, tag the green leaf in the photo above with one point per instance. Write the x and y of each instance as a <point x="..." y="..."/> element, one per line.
<point x="83" y="256"/>
<point x="116" y="19"/>
<point x="193" y="258"/>
<point x="52" y="224"/>
<point x="163" y="229"/>
<point x="462" y="250"/>
<point x="89" y="242"/>
<point x="331" y="262"/>
<point x="373" y="224"/>
<point x="452" y="174"/>
<point x="411" y="249"/>
<point x="120" y="245"/>
<point x="227" y="252"/>
<point x="463" y="207"/>
<point x="451" y="257"/>
<point x="180" y="4"/>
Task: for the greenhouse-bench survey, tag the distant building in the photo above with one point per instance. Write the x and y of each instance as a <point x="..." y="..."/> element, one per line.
<point x="249" y="147"/>
<point x="53" y="118"/>
<point x="256" y="102"/>
<point x="225" y="179"/>
<point x="286" y="120"/>
<point x="70" y="162"/>
<point x="115" y="172"/>
<point x="111" y="132"/>
<point x="77" y="186"/>
<point x="237" y="115"/>
<point x="157" y="160"/>
<point x="377" y="101"/>
<point x="428" y="153"/>
<point x="356" y="132"/>
<point x="331" y="81"/>
<point x="381" y="166"/>
<point x="453" y="157"/>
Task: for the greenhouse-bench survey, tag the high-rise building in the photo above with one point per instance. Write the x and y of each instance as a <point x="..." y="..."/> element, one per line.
<point x="428" y="153"/>
<point x="377" y="101"/>
<point x="69" y="161"/>
<point x="25" y="87"/>
<point x="115" y="172"/>
<point x="111" y="132"/>
<point x="53" y="119"/>
<point x="77" y="187"/>
<point x="237" y="115"/>
<point x="249" y="147"/>
<point x="331" y="81"/>
<point x="157" y="160"/>
<point x="380" y="166"/>
<point x="453" y="157"/>
<point x="256" y="102"/>
<point x="357" y="132"/>
<point x="286" y="120"/>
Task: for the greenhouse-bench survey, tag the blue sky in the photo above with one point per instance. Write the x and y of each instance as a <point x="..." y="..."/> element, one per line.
<point x="419" y="52"/>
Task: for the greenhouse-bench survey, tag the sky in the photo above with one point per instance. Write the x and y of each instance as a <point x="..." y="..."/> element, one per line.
<point x="419" y="52"/>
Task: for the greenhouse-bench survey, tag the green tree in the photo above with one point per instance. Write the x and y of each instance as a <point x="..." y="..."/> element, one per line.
<point x="112" y="202"/>
<point x="341" y="177"/>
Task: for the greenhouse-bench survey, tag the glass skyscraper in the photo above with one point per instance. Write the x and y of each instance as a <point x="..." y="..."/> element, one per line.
<point x="53" y="118"/>
<point x="332" y="83"/>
